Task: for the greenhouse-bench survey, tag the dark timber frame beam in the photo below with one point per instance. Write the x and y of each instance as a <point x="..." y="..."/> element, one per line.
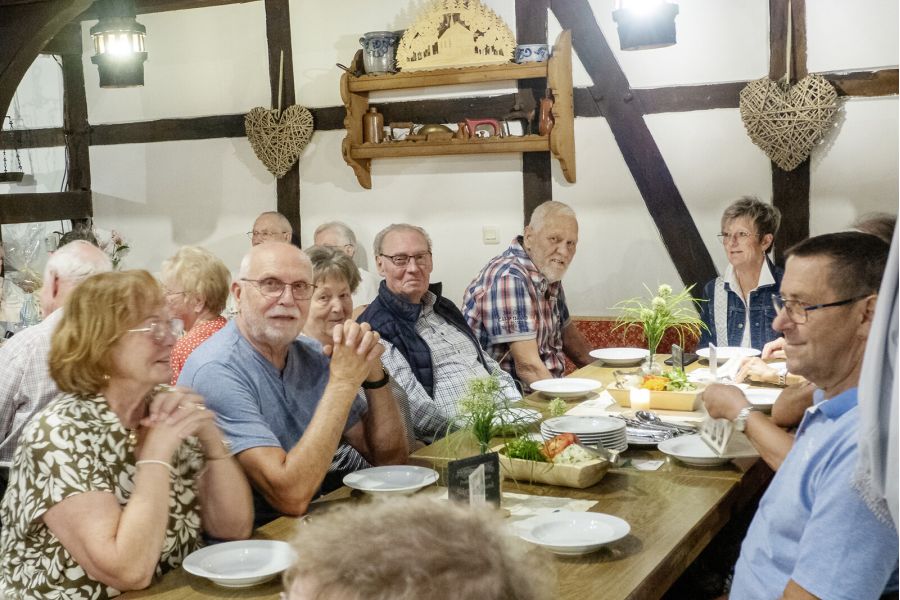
<point x="531" y="28"/>
<point x="790" y="189"/>
<point x="278" y="34"/>
<point x="613" y="95"/>
<point x="35" y="207"/>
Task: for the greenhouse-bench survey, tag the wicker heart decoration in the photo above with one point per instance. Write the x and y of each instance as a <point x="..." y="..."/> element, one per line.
<point x="787" y="123"/>
<point x="278" y="142"/>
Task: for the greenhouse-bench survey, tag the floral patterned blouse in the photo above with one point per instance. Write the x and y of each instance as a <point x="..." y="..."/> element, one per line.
<point x="198" y="334"/>
<point x="77" y="444"/>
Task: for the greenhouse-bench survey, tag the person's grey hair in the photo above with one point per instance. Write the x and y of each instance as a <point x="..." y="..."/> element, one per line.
<point x="415" y="548"/>
<point x="857" y="260"/>
<point x="282" y="220"/>
<point x="343" y="229"/>
<point x="879" y="224"/>
<point x="549" y="209"/>
<point x="379" y="237"/>
<point x="765" y="217"/>
<point x="329" y="263"/>
<point x="77" y="260"/>
<point x="200" y="273"/>
<point x="78" y="234"/>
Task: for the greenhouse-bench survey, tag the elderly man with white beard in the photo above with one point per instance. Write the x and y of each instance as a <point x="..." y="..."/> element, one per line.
<point x="284" y="404"/>
<point x="516" y="305"/>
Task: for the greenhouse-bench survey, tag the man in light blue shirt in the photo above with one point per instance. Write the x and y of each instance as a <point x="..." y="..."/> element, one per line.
<point x="813" y="536"/>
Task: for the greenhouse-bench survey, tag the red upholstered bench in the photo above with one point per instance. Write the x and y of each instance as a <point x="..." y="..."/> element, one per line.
<point x="599" y="333"/>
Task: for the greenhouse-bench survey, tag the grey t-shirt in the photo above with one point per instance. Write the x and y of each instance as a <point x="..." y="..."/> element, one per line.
<point x="255" y="403"/>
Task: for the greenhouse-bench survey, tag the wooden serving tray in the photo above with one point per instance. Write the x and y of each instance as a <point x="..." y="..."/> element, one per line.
<point x="575" y="476"/>
<point x="688" y="401"/>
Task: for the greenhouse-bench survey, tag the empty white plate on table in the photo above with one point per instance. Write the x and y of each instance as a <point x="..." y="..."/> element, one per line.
<point x="240" y="564"/>
<point x="516" y="417"/>
<point x="762" y="398"/>
<point x="584" y="425"/>
<point x="567" y="387"/>
<point x="692" y="450"/>
<point x="400" y="480"/>
<point x="724" y="353"/>
<point x="572" y="533"/>
<point x="620" y="357"/>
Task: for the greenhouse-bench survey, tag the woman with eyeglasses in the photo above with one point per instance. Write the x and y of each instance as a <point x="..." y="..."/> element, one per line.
<point x="195" y="282"/>
<point x="737" y="307"/>
<point x="113" y="483"/>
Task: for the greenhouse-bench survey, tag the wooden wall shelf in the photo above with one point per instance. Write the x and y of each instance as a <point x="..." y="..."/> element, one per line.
<point x="561" y="141"/>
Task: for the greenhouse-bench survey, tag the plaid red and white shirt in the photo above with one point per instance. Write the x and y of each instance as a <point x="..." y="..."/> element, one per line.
<point x="510" y="301"/>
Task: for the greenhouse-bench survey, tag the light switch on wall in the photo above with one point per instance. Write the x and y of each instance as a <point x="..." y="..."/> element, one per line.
<point x="490" y="235"/>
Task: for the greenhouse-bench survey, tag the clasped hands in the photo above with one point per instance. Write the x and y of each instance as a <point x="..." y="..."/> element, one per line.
<point x="355" y="353"/>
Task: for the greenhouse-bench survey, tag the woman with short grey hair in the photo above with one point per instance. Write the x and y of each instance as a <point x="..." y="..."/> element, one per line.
<point x="738" y="309"/>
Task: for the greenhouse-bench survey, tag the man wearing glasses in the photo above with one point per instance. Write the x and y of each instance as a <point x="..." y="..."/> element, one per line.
<point x="430" y="351"/>
<point x="338" y="236"/>
<point x="813" y="536"/>
<point x="284" y="405"/>
<point x="517" y="306"/>
<point x="270" y="227"/>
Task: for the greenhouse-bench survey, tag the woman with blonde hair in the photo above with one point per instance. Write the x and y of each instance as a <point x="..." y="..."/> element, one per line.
<point x="113" y="482"/>
<point x="196" y="285"/>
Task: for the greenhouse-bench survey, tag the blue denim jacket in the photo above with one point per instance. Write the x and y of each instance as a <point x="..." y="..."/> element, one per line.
<point x="762" y="313"/>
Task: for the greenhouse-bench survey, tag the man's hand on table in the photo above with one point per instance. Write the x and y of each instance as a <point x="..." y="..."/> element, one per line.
<point x="756" y="369"/>
<point x="774" y="349"/>
<point x="723" y="401"/>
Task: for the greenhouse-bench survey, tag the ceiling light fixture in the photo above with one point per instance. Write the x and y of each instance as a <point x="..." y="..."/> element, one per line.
<point x="119" y="51"/>
<point x="645" y="24"/>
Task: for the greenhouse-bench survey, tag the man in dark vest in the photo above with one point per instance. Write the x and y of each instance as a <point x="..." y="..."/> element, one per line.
<point x="430" y="351"/>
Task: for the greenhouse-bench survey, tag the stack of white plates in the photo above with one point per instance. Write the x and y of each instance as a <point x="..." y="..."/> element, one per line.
<point x="604" y="431"/>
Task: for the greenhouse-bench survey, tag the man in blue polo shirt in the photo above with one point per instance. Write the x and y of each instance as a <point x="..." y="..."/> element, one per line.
<point x="813" y="536"/>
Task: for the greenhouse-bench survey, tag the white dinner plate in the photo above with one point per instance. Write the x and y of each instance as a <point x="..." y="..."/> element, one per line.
<point x="572" y="533"/>
<point x="584" y="425"/>
<point x="762" y="398"/>
<point x="516" y="417"/>
<point x="691" y="450"/>
<point x="567" y="387"/>
<point x="399" y="480"/>
<point x="240" y="564"/>
<point x="723" y="353"/>
<point x="620" y="357"/>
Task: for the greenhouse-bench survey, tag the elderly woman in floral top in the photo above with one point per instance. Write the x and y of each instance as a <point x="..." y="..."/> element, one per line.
<point x="112" y="483"/>
<point x="196" y="285"/>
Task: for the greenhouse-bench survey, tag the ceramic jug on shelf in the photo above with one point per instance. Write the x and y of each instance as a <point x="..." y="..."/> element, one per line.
<point x="379" y="48"/>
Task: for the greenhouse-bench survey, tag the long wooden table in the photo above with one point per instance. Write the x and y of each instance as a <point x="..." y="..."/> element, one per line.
<point x="674" y="513"/>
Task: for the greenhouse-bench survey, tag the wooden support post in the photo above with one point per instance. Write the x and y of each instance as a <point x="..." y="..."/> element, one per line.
<point x="278" y="34"/>
<point x="613" y="94"/>
<point x="531" y="28"/>
<point x="75" y="118"/>
<point x="790" y="189"/>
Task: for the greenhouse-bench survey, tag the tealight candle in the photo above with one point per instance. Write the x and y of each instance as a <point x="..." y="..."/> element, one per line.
<point x="639" y="399"/>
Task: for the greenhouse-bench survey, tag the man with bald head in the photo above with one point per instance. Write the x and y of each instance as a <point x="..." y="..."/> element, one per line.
<point x="270" y="226"/>
<point x="516" y="305"/>
<point x="338" y="236"/>
<point x="284" y="405"/>
<point x="25" y="383"/>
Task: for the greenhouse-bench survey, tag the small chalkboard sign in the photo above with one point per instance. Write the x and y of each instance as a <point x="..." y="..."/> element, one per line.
<point x="460" y="479"/>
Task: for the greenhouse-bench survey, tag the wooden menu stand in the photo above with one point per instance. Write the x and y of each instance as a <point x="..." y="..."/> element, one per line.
<point x="557" y="71"/>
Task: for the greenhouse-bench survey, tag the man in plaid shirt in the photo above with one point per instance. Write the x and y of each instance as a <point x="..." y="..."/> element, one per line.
<point x="516" y="305"/>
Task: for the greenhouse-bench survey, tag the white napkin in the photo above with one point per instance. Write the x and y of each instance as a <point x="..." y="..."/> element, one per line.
<point x="595" y="407"/>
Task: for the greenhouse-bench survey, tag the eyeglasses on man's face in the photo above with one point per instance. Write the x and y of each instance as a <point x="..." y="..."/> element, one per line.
<point x="270" y="287"/>
<point x="798" y="312"/>
<point x="264" y="235"/>
<point x="158" y="330"/>
<point x="738" y="236"/>
<point x="401" y="260"/>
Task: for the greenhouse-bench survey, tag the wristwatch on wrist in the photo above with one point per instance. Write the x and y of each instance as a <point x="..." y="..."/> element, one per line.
<point x="374" y="385"/>
<point x="740" y="421"/>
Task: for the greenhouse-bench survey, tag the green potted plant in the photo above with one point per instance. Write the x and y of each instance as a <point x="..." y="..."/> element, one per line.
<point x="663" y="311"/>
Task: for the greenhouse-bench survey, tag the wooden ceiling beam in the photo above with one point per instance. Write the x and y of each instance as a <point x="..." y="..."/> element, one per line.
<point x="143" y="7"/>
<point x="37" y="207"/>
<point x="67" y="41"/>
<point x="613" y="94"/>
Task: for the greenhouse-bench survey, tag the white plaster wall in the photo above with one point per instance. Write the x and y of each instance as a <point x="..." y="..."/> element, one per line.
<point x="214" y="61"/>
<point x="206" y="61"/>
<point x="846" y="36"/>
<point x="166" y="195"/>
